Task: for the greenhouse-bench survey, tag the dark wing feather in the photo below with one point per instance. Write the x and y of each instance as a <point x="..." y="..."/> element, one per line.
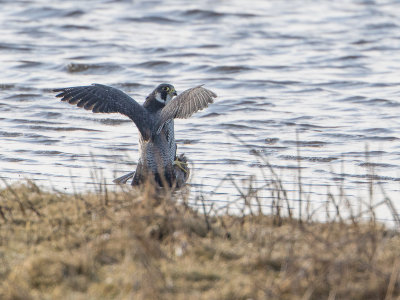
<point x="106" y="99"/>
<point x="185" y="104"/>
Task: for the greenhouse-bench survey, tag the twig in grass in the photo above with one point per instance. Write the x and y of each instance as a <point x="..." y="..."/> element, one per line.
<point x="299" y="174"/>
<point x="275" y="177"/>
<point x="205" y="214"/>
<point x="17" y="198"/>
<point x="335" y="205"/>
<point x="243" y="196"/>
<point x="106" y="197"/>
<point x="390" y="205"/>
<point x="3" y="216"/>
<point x="393" y="280"/>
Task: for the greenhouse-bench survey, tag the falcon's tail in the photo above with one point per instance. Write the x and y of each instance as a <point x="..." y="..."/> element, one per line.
<point x="138" y="177"/>
<point x="123" y="179"/>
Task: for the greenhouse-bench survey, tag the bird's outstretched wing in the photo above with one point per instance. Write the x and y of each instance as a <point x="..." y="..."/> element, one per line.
<point x="185" y="104"/>
<point x="105" y="99"/>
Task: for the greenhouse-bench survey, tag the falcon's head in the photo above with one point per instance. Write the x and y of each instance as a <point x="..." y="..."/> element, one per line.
<point x="164" y="93"/>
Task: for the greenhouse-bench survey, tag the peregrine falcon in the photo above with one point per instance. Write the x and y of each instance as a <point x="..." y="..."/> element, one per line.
<point x="154" y="120"/>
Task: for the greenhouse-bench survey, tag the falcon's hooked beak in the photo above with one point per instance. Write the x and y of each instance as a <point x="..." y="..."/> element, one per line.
<point x="173" y="92"/>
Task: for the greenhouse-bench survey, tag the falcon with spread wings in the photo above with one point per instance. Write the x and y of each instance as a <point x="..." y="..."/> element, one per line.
<point x="155" y="122"/>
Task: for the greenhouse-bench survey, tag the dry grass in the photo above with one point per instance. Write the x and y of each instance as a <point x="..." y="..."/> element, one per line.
<point x="144" y="245"/>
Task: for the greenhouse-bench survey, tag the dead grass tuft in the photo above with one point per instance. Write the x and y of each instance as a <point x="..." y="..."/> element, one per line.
<point x="146" y="244"/>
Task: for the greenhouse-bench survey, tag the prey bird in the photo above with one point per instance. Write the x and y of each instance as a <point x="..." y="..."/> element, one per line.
<point x="155" y="122"/>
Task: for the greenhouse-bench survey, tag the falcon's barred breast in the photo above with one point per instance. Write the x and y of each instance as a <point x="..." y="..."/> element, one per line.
<point x="154" y="120"/>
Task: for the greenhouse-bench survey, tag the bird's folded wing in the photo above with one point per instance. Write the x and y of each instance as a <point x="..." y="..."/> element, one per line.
<point x="105" y="99"/>
<point x="185" y="104"/>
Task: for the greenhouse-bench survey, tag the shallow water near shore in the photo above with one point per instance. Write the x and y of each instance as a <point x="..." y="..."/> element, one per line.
<point x="309" y="86"/>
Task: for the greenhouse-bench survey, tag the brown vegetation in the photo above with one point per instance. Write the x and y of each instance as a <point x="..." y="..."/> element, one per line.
<point x="135" y="244"/>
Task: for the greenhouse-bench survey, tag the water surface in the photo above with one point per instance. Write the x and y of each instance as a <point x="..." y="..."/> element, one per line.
<point x="305" y="84"/>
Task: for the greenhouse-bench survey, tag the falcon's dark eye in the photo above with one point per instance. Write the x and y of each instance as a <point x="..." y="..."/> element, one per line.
<point x="165" y="88"/>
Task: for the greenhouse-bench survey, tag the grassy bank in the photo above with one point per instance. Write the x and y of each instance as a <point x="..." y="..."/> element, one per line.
<point x="143" y="245"/>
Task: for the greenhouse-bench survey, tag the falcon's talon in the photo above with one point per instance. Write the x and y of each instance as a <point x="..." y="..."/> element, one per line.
<point x="181" y="165"/>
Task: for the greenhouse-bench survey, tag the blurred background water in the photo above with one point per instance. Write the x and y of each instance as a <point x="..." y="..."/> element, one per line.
<point x="308" y="85"/>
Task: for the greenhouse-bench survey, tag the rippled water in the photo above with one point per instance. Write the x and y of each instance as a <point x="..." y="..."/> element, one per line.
<point x="309" y="84"/>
